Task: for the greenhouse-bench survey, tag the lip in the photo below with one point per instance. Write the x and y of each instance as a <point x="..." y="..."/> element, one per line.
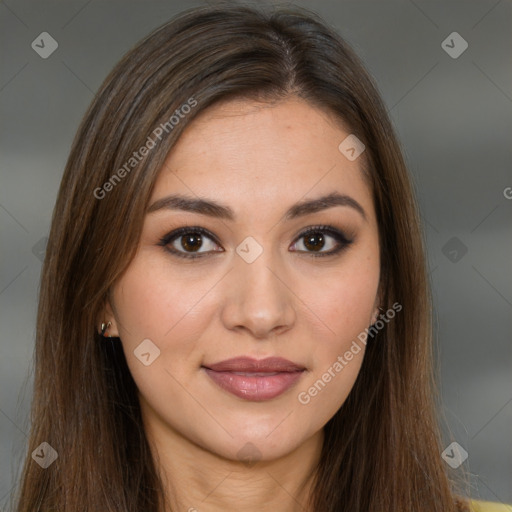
<point x="249" y="364"/>
<point x="255" y="379"/>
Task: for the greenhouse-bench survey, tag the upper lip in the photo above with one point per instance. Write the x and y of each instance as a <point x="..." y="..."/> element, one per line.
<point x="248" y="364"/>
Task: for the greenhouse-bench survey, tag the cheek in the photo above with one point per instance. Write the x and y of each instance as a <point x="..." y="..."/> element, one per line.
<point x="349" y="304"/>
<point x="345" y="305"/>
<point x="346" y="301"/>
<point x="322" y="395"/>
<point x="338" y="354"/>
<point x="171" y="308"/>
<point x="153" y="301"/>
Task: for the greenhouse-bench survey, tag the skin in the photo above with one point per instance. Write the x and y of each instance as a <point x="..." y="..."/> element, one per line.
<point x="259" y="159"/>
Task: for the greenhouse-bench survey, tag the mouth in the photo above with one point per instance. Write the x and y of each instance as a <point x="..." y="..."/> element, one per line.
<point x="255" y="380"/>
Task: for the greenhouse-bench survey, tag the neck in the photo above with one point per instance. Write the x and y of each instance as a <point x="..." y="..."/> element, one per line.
<point x="198" y="480"/>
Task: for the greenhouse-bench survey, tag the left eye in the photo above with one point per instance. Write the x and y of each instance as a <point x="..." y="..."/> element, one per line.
<point x="315" y="240"/>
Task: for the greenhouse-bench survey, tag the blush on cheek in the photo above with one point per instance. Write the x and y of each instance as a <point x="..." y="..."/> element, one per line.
<point x="348" y="314"/>
<point x="147" y="307"/>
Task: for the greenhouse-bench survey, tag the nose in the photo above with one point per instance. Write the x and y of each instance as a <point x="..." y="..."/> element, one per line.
<point x="258" y="298"/>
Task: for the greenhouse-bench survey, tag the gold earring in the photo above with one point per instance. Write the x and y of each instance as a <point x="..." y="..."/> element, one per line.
<point x="104" y="328"/>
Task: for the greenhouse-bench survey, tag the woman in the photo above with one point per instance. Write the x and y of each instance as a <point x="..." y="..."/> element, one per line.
<point x="234" y="312"/>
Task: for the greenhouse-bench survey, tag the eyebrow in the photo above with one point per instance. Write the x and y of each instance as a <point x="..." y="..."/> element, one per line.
<point x="217" y="210"/>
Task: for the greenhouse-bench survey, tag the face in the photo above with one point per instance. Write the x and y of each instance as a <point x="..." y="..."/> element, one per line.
<point x="260" y="276"/>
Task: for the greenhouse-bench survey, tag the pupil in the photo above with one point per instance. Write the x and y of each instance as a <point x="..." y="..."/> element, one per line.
<point x="314" y="241"/>
<point x="191" y="242"/>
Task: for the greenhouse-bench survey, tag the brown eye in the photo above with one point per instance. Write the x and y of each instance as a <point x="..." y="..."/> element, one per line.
<point x="318" y="238"/>
<point x="187" y="242"/>
<point x="314" y="241"/>
<point x="191" y="242"/>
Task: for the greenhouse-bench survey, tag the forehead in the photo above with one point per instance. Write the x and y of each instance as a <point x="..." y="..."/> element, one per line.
<point x="262" y="155"/>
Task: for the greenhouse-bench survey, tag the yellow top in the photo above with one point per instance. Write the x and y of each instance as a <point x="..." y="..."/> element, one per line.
<point x="487" y="506"/>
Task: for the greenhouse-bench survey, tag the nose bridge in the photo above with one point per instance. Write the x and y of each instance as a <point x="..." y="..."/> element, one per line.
<point x="260" y="301"/>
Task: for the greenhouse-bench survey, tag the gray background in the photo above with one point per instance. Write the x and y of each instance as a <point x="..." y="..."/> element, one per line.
<point x="454" y="119"/>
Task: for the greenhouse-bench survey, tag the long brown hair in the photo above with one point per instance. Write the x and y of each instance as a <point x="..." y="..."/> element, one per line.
<point x="382" y="448"/>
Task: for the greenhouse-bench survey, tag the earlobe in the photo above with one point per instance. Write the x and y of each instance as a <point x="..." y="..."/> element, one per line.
<point x="375" y="315"/>
<point x="108" y="327"/>
<point x="104" y="328"/>
<point x="377" y="309"/>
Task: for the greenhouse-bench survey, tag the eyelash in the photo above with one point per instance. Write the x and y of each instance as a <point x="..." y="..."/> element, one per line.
<point x="338" y="235"/>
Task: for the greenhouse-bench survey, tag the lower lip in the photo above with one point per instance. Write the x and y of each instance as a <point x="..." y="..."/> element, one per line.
<point x="255" y="388"/>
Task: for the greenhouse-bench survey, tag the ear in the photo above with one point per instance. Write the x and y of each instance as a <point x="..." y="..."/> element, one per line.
<point x="375" y="315"/>
<point x="376" y="306"/>
<point x="106" y="316"/>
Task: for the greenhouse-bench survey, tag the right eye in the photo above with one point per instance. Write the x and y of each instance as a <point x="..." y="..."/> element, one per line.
<point x="191" y="238"/>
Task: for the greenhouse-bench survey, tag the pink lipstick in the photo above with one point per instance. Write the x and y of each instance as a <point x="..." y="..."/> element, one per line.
<point x="255" y="379"/>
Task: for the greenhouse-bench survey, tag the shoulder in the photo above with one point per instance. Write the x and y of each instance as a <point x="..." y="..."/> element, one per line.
<point x="487" y="506"/>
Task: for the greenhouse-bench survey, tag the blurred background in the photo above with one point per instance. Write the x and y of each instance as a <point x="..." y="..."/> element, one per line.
<point x="444" y="69"/>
